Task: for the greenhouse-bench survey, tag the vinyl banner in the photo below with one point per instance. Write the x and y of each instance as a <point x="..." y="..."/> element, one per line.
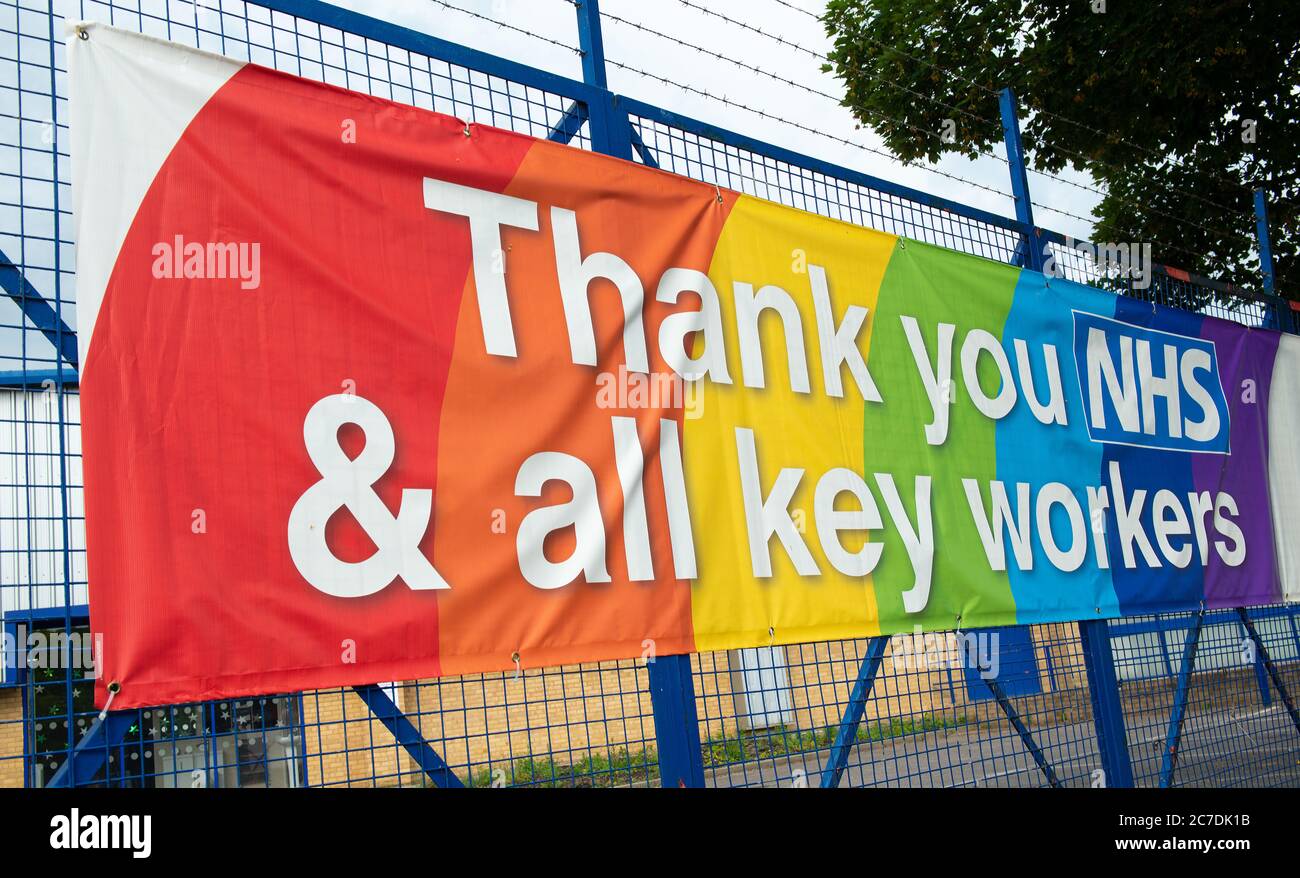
<point x="372" y="394"/>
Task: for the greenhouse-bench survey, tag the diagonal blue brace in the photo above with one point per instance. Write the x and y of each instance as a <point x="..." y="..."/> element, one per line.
<point x="646" y="153"/>
<point x="1175" y="733"/>
<point x="407" y="735"/>
<point x="847" y="734"/>
<point x="91" y="752"/>
<point x="1262" y="654"/>
<point x="1027" y="739"/>
<point x="567" y="128"/>
<point x="38" y="310"/>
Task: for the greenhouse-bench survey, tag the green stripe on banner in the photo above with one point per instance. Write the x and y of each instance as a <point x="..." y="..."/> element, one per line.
<point x="933" y="285"/>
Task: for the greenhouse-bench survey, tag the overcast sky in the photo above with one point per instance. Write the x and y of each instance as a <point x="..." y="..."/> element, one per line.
<point x="555" y="19"/>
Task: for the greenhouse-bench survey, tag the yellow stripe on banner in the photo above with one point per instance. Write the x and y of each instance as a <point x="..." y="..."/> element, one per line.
<point x="766" y="244"/>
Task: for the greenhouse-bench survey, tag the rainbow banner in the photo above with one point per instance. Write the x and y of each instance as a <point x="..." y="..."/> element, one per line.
<point x="371" y="394"/>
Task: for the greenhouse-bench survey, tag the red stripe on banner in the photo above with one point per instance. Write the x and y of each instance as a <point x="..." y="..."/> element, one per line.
<point x="346" y="282"/>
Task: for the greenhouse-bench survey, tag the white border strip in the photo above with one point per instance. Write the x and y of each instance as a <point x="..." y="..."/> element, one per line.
<point x="132" y="97"/>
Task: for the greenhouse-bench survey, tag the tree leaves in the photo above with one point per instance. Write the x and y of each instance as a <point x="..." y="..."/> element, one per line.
<point x="1152" y="100"/>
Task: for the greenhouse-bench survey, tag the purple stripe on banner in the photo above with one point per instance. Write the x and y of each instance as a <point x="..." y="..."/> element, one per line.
<point x="1246" y="366"/>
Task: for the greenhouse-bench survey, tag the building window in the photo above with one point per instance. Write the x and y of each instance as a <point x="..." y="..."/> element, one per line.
<point x="254" y="742"/>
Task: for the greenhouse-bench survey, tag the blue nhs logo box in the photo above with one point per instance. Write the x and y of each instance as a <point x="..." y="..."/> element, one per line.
<point x="1148" y="388"/>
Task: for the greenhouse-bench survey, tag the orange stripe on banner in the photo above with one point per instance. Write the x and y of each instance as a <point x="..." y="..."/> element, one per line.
<point x="499" y="411"/>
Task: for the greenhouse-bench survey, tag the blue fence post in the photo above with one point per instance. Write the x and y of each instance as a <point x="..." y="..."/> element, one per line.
<point x="1261" y="236"/>
<point x="591" y="41"/>
<point x="611" y="133"/>
<point x="672" y="686"/>
<point x="677" y="726"/>
<point x="1286" y="316"/>
<point x="1028" y="253"/>
<point x="1285" y="320"/>
<point x="1107" y="709"/>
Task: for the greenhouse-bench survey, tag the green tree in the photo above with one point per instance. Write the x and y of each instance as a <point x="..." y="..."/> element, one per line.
<point x="1179" y="109"/>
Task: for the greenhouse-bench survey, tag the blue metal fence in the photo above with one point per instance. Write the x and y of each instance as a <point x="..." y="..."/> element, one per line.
<point x="1190" y="698"/>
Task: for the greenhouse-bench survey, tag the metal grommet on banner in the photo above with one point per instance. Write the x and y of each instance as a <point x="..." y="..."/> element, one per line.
<point x="718" y="189"/>
<point x="514" y="657"/>
<point x="113" y="688"/>
<point x="466" y="131"/>
<point x="81" y="32"/>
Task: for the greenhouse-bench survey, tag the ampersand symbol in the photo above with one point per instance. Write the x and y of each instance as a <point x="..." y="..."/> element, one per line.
<point x="350" y="482"/>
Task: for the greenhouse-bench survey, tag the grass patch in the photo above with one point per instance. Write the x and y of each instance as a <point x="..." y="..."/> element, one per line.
<point x="781" y="741"/>
<point x="618" y="767"/>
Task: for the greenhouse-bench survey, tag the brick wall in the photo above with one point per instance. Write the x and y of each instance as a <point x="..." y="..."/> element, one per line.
<point x="11" y="737"/>
<point x="344" y="744"/>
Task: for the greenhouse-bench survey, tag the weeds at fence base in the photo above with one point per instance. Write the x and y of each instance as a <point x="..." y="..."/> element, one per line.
<point x="779" y="741"/>
<point x="623" y="767"/>
<point x="616" y="768"/>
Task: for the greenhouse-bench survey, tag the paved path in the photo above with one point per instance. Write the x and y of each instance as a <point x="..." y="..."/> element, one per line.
<point x="1220" y="749"/>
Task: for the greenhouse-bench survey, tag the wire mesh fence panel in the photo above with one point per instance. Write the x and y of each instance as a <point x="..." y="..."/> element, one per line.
<point x="1235" y="729"/>
<point x="997" y="707"/>
<point x="773" y="716"/>
<point x="753" y="173"/>
<point x="571" y="726"/>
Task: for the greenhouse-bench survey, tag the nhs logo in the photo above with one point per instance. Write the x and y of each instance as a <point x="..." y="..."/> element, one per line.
<point x="1149" y="388"/>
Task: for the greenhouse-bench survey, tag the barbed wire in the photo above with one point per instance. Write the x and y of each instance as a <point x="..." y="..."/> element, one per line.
<point x="823" y="57"/>
<point x="1163" y="247"/>
<point x="1082" y="159"/>
<point x="510" y="27"/>
<point x="894" y="120"/>
<point x="720" y="98"/>
<point x="799" y="125"/>
<point x="956" y="178"/>
<point x="751" y="28"/>
<point x="777" y="77"/>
